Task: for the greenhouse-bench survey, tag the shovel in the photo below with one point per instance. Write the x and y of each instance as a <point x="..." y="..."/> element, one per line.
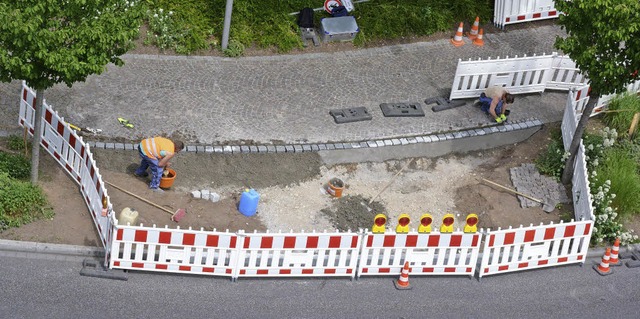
<point x="547" y="207"/>
<point x="175" y="216"/>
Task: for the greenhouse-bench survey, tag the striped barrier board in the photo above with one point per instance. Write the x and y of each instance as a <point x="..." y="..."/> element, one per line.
<point x="69" y="150"/>
<point x="299" y="254"/>
<point x="174" y="250"/>
<point x="535" y="247"/>
<point x="427" y="254"/>
<point x="518" y="11"/>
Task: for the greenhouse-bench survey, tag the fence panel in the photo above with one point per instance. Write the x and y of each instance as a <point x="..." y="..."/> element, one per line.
<point x="577" y="99"/>
<point x="427" y="254"/>
<point x="174" y="250"/>
<point x="519" y="75"/>
<point x="564" y="74"/>
<point x="70" y="151"/>
<point x="299" y="255"/>
<point x="583" y="209"/>
<point x="603" y="102"/>
<point x="518" y="11"/>
<point x="535" y="247"/>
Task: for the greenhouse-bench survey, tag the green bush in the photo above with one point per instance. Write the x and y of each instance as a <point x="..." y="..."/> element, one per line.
<point x="21" y="202"/>
<point x="15" y="165"/>
<point x="235" y="49"/>
<point x="622" y="170"/>
<point x="16" y="143"/>
<point x="627" y="105"/>
<point x="551" y="161"/>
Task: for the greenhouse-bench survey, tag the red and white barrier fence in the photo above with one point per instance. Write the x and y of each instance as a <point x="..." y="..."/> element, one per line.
<point x="69" y="150"/>
<point x="517" y="11"/>
<point x="427" y="254"/>
<point x="174" y="250"/>
<point x="535" y="247"/>
<point x="299" y="254"/>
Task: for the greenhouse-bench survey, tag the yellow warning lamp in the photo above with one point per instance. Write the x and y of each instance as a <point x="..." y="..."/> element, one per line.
<point x="378" y="224"/>
<point x="403" y="224"/>
<point x="447" y="224"/>
<point x="472" y="224"/>
<point x="425" y="223"/>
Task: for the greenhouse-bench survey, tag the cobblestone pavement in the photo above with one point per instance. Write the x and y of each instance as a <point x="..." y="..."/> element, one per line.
<point x="527" y="180"/>
<point x="287" y="98"/>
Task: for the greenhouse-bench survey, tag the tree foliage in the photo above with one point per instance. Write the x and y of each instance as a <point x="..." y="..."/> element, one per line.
<point x="603" y="40"/>
<point x="45" y="42"/>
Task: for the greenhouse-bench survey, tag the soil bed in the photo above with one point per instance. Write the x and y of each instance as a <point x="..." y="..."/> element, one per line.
<point x="293" y="196"/>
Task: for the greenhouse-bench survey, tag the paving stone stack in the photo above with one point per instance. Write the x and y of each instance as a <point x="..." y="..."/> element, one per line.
<point x="527" y="180"/>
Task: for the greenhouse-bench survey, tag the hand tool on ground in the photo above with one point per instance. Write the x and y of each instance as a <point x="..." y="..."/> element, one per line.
<point x="85" y="129"/>
<point x="125" y="122"/>
<point x="175" y="216"/>
<point x="388" y="184"/>
<point x="547" y="207"/>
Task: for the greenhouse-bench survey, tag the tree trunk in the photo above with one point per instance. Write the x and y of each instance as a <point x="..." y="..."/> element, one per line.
<point x="37" y="137"/>
<point x="567" y="174"/>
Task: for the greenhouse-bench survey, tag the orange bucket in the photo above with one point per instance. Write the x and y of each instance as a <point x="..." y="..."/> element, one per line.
<point x="336" y="186"/>
<point x="167" y="181"/>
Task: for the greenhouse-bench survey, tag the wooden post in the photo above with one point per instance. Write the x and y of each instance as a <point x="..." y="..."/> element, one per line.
<point x="634" y="125"/>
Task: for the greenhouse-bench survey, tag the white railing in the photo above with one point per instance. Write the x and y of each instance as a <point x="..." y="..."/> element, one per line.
<point x="73" y="154"/>
<point x="528" y="74"/>
<point x="582" y="207"/>
<point x="533" y="247"/>
<point x="518" y="11"/>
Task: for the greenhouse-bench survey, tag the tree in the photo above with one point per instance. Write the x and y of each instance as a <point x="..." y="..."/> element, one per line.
<point x="604" y="42"/>
<point x="45" y="42"/>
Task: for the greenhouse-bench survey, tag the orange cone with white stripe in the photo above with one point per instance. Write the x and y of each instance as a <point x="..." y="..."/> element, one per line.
<point x="457" y="39"/>
<point x="474" y="29"/>
<point x="403" y="282"/>
<point x="603" y="269"/>
<point x="614" y="261"/>
<point x="478" y="41"/>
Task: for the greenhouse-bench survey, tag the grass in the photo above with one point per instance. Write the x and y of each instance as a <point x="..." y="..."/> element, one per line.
<point x="550" y="162"/>
<point x="622" y="170"/>
<point x="628" y="105"/>
<point x="197" y="24"/>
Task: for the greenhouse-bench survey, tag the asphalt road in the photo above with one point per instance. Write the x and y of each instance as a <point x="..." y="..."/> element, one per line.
<point x="39" y="286"/>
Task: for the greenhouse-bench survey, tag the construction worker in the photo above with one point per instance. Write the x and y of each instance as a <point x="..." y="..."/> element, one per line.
<point x="494" y="101"/>
<point x="156" y="152"/>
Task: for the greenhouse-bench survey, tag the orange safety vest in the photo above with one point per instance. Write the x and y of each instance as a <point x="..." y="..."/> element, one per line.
<point x="157" y="147"/>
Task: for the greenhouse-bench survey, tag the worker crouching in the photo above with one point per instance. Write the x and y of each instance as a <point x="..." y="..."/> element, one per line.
<point x="156" y="152"/>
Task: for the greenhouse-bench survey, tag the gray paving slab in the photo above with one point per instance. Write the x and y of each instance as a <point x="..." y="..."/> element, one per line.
<point x="219" y="101"/>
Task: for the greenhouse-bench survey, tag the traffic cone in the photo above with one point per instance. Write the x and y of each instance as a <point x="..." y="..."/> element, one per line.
<point x="403" y="282"/>
<point x="474" y="29"/>
<point x="614" y="261"/>
<point x="478" y="40"/>
<point x="457" y="39"/>
<point x="603" y="269"/>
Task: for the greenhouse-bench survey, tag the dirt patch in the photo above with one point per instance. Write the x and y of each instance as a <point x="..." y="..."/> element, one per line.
<point x="293" y="192"/>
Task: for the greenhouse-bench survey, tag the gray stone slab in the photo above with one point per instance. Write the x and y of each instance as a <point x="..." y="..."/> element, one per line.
<point x="338" y="146"/>
<point x="235" y="149"/>
<point x="365" y="144"/>
<point x="421" y="139"/>
<point x="314" y="147"/>
<point x="289" y="148"/>
<point x="331" y="146"/>
<point x="208" y="149"/>
<point x="280" y="149"/>
<point x="372" y="143"/>
<point x="100" y="145"/>
<point x="271" y="149"/>
<point x="253" y="149"/>
<point x="380" y="143"/>
<point x="297" y="148"/>
<point x="130" y="146"/>
<point x="322" y="147"/>
<point x="244" y="149"/>
<point x="110" y="146"/>
<point x="449" y="136"/>
<point x="395" y="141"/>
<point x="217" y="149"/>
<point x="119" y="146"/>
<point x="306" y="148"/>
<point x="200" y="149"/>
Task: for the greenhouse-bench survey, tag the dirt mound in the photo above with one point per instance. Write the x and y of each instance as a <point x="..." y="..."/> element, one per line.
<point x="352" y="212"/>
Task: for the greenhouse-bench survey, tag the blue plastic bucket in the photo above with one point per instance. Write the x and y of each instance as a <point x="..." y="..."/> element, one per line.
<point x="249" y="202"/>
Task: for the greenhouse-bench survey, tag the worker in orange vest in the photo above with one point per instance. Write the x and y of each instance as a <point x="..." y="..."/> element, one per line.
<point x="156" y="152"/>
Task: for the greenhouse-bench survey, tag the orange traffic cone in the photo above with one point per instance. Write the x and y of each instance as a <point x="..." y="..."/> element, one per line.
<point x="478" y="41"/>
<point x="474" y="29"/>
<point x="603" y="269"/>
<point x="614" y="261"/>
<point x="403" y="282"/>
<point x="457" y="39"/>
